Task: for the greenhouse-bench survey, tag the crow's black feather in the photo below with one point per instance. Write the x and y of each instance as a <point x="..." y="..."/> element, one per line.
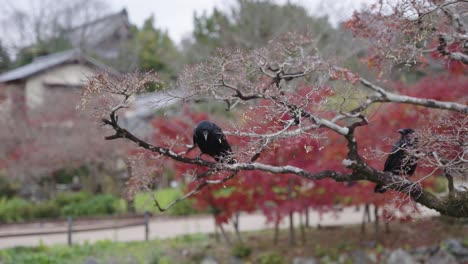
<point x="401" y="161"/>
<point x="211" y="140"/>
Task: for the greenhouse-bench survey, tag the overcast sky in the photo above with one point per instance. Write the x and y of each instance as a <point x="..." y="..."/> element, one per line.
<point x="177" y="15"/>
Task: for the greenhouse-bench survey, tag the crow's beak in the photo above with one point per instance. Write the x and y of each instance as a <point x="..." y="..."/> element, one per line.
<point x="205" y="134"/>
<point x="401" y="131"/>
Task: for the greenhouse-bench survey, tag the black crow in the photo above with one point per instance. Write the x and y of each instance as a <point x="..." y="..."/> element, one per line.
<point x="401" y="161"/>
<point x="211" y="140"/>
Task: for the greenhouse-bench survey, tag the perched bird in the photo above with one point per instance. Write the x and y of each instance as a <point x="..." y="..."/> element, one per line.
<point x="401" y="161"/>
<point x="211" y="140"/>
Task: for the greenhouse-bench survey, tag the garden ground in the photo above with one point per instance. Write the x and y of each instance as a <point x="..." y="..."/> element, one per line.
<point x="258" y="247"/>
<point x="160" y="227"/>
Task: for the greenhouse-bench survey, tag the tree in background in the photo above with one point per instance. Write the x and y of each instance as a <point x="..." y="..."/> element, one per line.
<point x="156" y="51"/>
<point x="250" y="24"/>
<point x="26" y="55"/>
<point x="38" y="29"/>
<point x="5" y="61"/>
<point x="207" y="35"/>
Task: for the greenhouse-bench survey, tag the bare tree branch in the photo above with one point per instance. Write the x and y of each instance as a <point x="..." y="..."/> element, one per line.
<point x="384" y="96"/>
<point x="449" y="205"/>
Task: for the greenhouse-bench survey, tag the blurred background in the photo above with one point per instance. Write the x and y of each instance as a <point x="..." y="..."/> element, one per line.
<point x="61" y="182"/>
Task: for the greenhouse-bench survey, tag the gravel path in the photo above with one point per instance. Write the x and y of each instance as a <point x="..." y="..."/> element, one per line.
<point x="172" y="227"/>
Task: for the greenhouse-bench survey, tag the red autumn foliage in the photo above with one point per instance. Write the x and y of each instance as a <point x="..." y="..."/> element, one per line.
<point x="289" y="123"/>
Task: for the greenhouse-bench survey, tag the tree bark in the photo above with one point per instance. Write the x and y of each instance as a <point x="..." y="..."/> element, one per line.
<point x="365" y="216"/>
<point x="276" y="233"/>
<point x="225" y="235"/>
<point x="235" y="222"/>
<point x="129" y="198"/>
<point x="302" y="228"/>
<point x="292" y="235"/>
<point x="217" y="234"/>
<point x="377" y="224"/>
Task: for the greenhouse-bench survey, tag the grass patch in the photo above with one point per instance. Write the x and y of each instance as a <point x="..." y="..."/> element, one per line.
<point x="102" y="251"/>
<point x="144" y="202"/>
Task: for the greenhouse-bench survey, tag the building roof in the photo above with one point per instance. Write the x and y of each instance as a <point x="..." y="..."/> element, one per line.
<point x="94" y="32"/>
<point x="46" y="62"/>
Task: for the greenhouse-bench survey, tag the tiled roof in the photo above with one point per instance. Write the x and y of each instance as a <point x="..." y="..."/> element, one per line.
<point x="95" y="32"/>
<point x="46" y="62"/>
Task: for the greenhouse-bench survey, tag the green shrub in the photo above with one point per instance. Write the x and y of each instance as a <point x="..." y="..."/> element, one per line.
<point x="66" y="204"/>
<point x="15" y="210"/>
<point x="157" y="259"/>
<point x="344" y="246"/>
<point x="182" y="208"/>
<point x="465" y="241"/>
<point x="7" y="187"/>
<point x="241" y="251"/>
<point x="105" y="204"/>
<point x="271" y="258"/>
<point x="45" y="210"/>
<point x="319" y="251"/>
<point x="41" y="258"/>
<point x="330" y="252"/>
<point x="66" y="198"/>
<point x="440" y="185"/>
<point x="144" y="202"/>
<point x="65" y="176"/>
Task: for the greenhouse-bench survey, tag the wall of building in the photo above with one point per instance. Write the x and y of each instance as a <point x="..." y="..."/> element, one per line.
<point x="12" y="99"/>
<point x="66" y="75"/>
